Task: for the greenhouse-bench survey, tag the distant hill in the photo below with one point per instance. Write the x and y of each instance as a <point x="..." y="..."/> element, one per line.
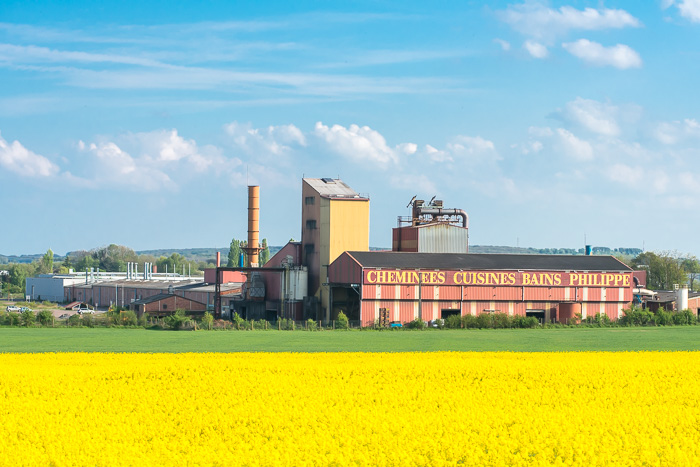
<point x="209" y="254"/>
<point x="596" y="250"/>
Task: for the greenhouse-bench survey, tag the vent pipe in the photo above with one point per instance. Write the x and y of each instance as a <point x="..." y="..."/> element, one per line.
<point x="218" y="259"/>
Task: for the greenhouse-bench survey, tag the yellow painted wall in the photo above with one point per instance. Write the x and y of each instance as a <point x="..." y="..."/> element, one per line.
<point x="344" y="227"/>
<point x="349" y="229"/>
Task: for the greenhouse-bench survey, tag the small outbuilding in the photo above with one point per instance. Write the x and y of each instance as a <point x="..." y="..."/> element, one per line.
<point x="165" y="304"/>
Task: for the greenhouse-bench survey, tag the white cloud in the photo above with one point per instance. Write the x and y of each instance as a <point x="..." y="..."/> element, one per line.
<point x="673" y="132"/>
<point x="689" y="8"/>
<point x="574" y="147"/>
<point x="531" y="147"/>
<point x="505" y="45"/>
<point x="117" y="166"/>
<point x="592" y="115"/>
<point x="356" y="143"/>
<point x="472" y="146"/>
<point x="273" y="140"/>
<point x="536" y="49"/>
<point x="30" y="54"/>
<point x="421" y="183"/>
<point x="437" y="155"/>
<point x="20" y="160"/>
<point x="620" y="56"/>
<point x="622" y="173"/>
<point x="540" y="131"/>
<point x="534" y="19"/>
<point x="407" y="148"/>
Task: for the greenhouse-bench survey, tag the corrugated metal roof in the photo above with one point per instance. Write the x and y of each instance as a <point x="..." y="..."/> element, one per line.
<point x="331" y="188"/>
<point x="456" y="261"/>
<point x="141" y="284"/>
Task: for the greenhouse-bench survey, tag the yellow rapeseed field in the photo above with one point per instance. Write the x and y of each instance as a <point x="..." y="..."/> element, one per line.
<point x="350" y="409"/>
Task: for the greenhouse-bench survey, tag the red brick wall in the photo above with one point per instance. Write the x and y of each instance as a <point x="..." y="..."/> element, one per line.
<point x="168" y="306"/>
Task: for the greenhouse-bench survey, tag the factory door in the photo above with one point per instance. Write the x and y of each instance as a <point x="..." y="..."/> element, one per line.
<point x="449" y="312"/>
<point x="539" y="314"/>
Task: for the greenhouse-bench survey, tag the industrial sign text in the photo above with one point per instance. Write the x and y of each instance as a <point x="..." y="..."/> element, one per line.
<point x="552" y="279"/>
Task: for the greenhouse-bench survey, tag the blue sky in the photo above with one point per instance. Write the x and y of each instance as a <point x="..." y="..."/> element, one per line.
<point x="141" y="123"/>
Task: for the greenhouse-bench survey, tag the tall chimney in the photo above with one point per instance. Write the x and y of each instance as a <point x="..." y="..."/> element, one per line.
<point x="253" y="225"/>
<point x="218" y="259"/>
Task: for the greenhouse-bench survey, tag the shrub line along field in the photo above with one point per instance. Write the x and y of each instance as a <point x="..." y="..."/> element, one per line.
<point x="686" y="338"/>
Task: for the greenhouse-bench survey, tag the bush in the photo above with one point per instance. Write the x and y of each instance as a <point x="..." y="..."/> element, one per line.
<point x="45" y="317"/>
<point x="284" y="324"/>
<point x="635" y="316"/>
<point x="342" y="321"/>
<point x="684" y="318"/>
<point x="525" y="322"/>
<point x="453" y="322"/>
<point x="485" y="321"/>
<point x="87" y="320"/>
<point x="663" y="317"/>
<point x="177" y="320"/>
<point x="28" y="318"/>
<point x="238" y="322"/>
<point x="469" y="322"/>
<point x="10" y="319"/>
<point x="128" y="318"/>
<point x="74" y="320"/>
<point x="311" y="325"/>
<point x="207" y="320"/>
<point x="501" y="321"/>
<point x="417" y="324"/>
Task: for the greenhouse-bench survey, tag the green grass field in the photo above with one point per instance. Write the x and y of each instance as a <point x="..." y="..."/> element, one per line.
<point x="519" y="340"/>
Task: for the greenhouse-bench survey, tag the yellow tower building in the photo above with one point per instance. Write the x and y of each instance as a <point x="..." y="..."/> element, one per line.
<point x="334" y="219"/>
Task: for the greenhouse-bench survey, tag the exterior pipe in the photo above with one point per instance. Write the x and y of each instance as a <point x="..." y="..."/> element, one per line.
<point x="435" y="212"/>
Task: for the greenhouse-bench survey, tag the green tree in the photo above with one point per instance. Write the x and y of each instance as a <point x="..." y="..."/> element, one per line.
<point x="173" y="263"/>
<point x="46" y="263"/>
<point x="234" y="253"/>
<point x="691" y="266"/>
<point x="67" y="262"/>
<point x="85" y="260"/>
<point x="18" y="274"/>
<point x="663" y="269"/>
<point x="264" y="253"/>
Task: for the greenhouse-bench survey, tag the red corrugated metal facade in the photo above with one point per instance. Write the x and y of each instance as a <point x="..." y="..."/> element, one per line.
<point x="516" y="292"/>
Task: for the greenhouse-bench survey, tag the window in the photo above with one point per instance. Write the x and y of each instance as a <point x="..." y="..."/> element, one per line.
<point x="309" y="248"/>
<point x="311" y="224"/>
<point x="165" y="306"/>
<point x="309" y="200"/>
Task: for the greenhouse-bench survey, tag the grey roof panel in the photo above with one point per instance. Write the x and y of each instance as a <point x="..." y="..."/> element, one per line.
<point x="332" y="188"/>
<point x="457" y="261"/>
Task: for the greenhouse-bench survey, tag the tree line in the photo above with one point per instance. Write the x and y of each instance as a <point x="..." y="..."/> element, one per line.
<point x="664" y="268"/>
<point x="114" y="258"/>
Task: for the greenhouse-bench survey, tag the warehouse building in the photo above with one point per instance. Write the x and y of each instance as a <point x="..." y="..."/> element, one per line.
<point x="403" y="286"/>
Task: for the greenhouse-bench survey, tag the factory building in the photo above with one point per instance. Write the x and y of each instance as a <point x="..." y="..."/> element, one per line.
<point x="405" y="286"/>
<point x="162" y="305"/>
<point x="104" y="289"/>
<point x="432" y="229"/>
<point x="334" y="219"/>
